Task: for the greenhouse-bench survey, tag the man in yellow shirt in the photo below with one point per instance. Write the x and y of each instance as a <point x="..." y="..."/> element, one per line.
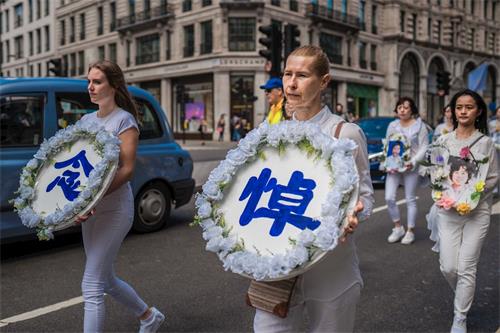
<point x="275" y="96"/>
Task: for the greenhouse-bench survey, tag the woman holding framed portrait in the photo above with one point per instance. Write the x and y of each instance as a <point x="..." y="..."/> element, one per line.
<point x="409" y="133"/>
<point x="463" y="195"/>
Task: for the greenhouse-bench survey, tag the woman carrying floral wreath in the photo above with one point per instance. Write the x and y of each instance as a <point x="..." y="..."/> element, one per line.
<point x="104" y="229"/>
<point x="410" y="126"/>
<point x="330" y="290"/>
<point x="462" y="231"/>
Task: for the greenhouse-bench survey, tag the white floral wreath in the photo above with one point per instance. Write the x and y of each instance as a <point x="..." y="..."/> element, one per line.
<point x="309" y="138"/>
<point x="406" y="145"/>
<point x="106" y="145"/>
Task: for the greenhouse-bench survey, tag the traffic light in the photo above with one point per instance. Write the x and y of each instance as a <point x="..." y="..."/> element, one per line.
<point x="292" y="41"/>
<point x="273" y="43"/>
<point x="56" y="67"/>
<point x="443" y="81"/>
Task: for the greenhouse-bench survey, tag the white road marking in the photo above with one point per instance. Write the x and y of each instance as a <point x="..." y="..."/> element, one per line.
<point x="41" y="311"/>
<point x="77" y="300"/>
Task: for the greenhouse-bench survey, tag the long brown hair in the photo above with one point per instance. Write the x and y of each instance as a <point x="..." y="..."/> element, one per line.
<point x="116" y="80"/>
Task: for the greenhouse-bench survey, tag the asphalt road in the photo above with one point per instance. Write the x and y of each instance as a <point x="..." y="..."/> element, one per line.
<point x="404" y="289"/>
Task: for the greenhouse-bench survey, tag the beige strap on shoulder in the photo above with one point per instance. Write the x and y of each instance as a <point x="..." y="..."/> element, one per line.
<point x="338" y="128"/>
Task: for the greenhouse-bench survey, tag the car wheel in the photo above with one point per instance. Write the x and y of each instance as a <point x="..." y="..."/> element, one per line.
<point x="152" y="208"/>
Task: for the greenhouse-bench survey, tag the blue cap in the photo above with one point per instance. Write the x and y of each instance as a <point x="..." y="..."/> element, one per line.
<point x="274" y="82"/>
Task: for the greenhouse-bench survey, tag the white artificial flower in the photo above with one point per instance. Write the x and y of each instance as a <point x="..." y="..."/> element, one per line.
<point x="236" y="157"/>
<point x="212" y="190"/>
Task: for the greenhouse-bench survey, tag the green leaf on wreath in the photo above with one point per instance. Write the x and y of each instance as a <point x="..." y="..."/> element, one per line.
<point x="475" y="196"/>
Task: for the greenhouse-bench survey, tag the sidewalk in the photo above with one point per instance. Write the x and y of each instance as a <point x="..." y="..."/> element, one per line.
<point x="209" y="144"/>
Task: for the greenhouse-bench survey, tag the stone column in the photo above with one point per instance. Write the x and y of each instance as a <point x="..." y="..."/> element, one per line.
<point x="166" y="98"/>
<point x="222" y="102"/>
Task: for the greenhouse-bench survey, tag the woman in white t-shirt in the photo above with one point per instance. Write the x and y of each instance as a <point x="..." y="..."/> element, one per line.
<point x="104" y="230"/>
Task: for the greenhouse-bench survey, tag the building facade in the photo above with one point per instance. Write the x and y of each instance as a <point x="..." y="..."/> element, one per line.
<point x="200" y="59"/>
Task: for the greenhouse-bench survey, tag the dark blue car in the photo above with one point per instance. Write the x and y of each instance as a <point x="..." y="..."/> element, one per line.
<point x="375" y="130"/>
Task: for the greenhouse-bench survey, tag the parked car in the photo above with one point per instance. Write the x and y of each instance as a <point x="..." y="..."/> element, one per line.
<point x="375" y="129"/>
<point x="32" y="109"/>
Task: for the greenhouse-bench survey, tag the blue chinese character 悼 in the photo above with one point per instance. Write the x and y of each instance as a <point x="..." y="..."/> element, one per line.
<point x="298" y="194"/>
<point x="68" y="181"/>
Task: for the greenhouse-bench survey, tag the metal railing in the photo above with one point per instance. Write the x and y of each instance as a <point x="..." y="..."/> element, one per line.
<point x="144" y="16"/>
<point x="331" y="14"/>
<point x="147" y="58"/>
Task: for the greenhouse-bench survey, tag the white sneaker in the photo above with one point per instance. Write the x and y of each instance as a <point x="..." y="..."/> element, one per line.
<point x="459" y="325"/>
<point x="396" y="235"/>
<point x="154" y="322"/>
<point x="408" y="238"/>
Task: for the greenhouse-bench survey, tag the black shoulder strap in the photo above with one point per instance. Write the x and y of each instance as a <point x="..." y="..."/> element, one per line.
<point x="475" y="141"/>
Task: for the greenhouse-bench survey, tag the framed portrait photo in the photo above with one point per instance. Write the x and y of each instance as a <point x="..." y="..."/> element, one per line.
<point x="396" y="153"/>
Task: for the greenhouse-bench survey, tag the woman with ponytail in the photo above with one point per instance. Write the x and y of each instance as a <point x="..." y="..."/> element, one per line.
<point x="104" y="230"/>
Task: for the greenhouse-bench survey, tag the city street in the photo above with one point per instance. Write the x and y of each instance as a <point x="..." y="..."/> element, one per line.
<point x="404" y="289"/>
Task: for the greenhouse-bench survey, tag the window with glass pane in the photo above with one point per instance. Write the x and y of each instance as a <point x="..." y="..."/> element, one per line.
<point x="206" y="37"/>
<point x="100" y="22"/>
<point x="47" y="38"/>
<point x="147" y="49"/>
<point x="38" y="41"/>
<point x="72" y="29"/>
<point x="241" y="34"/>
<point x="332" y="45"/>
<point x="188" y="41"/>
<point x="362" y="54"/>
<point x="112" y="10"/>
<point x="206" y="3"/>
<point x="18" y="45"/>
<point x="82" y="26"/>
<point x="21" y="120"/>
<point x="47" y="7"/>
<point x="70" y="107"/>
<point x="187" y="5"/>
<point x="101" y="52"/>
<point x="149" y="125"/>
<point x="18" y="12"/>
<point x="30" y="36"/>
<point x="112" y="52"/>
<point x="373" y="57"/>
<point x="63" y="32"/>
<point x="276" y="3"/>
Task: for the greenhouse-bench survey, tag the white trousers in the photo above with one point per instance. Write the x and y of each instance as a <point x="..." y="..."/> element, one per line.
<point x="323" y="316"/>
<point x="410" y="182"/>
<point x="461" y="239"/>
<point x="103" y="234"/>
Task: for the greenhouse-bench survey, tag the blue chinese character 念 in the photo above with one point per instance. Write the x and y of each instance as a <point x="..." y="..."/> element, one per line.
<point x="298" y="194"/>
<point x="68" y="181"/>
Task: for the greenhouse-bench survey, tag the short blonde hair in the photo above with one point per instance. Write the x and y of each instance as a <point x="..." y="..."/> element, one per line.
<point x="321" y="65"/>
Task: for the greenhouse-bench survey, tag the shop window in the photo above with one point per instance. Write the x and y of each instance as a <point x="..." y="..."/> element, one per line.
<point x="193" y="106"/>
<point x="242" y="105"/>
<point x="21" y="120"/>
